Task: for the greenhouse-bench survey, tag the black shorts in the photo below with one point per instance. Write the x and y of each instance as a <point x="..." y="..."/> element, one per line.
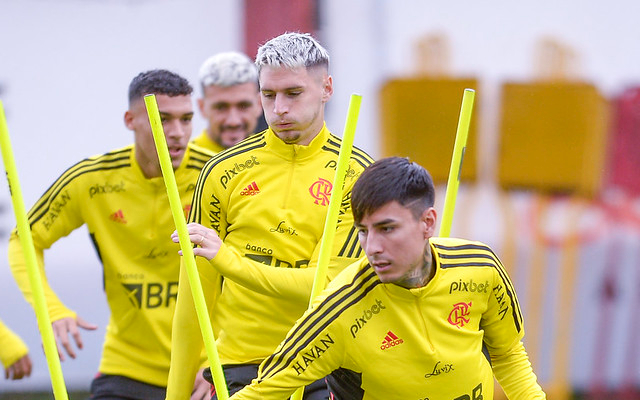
<point x="116" y="387"/>
<point x="239" y="376"/>
<point x="344" y="384"/>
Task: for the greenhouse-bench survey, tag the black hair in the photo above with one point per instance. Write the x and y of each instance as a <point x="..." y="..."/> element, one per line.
<point x="392" y="179"/>
<point x="158" y="81"/>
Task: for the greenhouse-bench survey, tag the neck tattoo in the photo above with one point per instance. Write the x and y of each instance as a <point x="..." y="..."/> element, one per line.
<point x="421" y="276"/>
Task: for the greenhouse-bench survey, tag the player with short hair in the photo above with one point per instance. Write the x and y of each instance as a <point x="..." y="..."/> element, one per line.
<point x="230" y="100"/>
<point x="263" y="205"/>
<point x="122" y="198"/>
<point x="411" y="320"/>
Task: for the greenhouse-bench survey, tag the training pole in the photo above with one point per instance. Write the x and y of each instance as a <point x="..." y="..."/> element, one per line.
<point x="24" y="232"/>
<point x="331" y="221"/>
<point x="186" y="246"/>
<point x="456" y="162"/>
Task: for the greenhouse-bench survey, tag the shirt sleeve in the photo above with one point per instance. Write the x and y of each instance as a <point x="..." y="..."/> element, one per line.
<point x="293" y="284"/>
<point x="55" y="215"/>
<point x="290" y="283"/>
<point x="503" y="326"/>
<point x="187" y="344"/>
<point x="514" y="373"/>
<point x="12" y="348"/>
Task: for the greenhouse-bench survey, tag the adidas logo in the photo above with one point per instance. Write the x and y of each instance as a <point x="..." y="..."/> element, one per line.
<point x="118" y="216"/>
<point x="390" y="340"/>
<point x="250" y="190"/>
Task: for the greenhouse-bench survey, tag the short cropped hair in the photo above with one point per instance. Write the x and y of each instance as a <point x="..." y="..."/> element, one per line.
<point x="292" y="50"/>
<point x="158" y="81"/>
<point x="227" y="69"/>
<point x="392" y="179"/>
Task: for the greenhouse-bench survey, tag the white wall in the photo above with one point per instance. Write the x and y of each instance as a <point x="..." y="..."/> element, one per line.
<point x="495" y="41"/>
<point x="65" y="66"/>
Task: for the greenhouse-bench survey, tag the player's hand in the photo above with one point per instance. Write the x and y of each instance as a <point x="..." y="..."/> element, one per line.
<point x="20" y="369"/>
<point x="201" y="388"/>
<point x="206" y="239"/>
<point x="65" y="326"/>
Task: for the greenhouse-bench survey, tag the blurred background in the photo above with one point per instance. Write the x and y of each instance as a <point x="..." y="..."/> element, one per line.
<point x="550" y="176"/>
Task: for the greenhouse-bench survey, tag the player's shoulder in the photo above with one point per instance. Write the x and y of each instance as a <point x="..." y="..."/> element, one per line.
<point x="456" y="243"/>
<point x="92" y="171"/>
<point x="359" y="157"/>
<point x="356" y="274"/>
<point x="197" y="156"/>
<point x="110" y="161"/>
<point x="350" y="290"/>
<point x="456" y="252"/>
<point x="196" y="150"/>
<point x="239" y="151"/>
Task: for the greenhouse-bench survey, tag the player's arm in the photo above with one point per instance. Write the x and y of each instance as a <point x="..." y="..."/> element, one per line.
<point x="186" y="338"/>
<point x="317" y="333"/>
<point x="55" y="215"/>
<point x="14" y="354"/>
<point x="503" y="326"/>
<point x="291" y="283"/>
<point x="515" y="374"/>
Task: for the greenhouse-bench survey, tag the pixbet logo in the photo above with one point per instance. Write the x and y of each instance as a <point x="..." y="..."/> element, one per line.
<point x="334" y="165"/>
<point x="366" y="316"/>
<point x="106" y="188"/>
<point x="469" y="286"/>
<point x="229" y="174"/>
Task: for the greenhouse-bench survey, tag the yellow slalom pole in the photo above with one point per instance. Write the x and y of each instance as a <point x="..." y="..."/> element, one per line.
<point x="24" y="231"/>
<point x="334" y="205"/>
<point x="186" y="246"/>
<point x="456" y="162"/>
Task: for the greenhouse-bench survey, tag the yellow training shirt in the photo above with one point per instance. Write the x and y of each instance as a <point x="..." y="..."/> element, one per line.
<point x="268" y="201"/>
<point x="204" y="141"/>
<point x="130" y="223"/>
<point x="12" y="348"/>
<point x="410" y="344"/>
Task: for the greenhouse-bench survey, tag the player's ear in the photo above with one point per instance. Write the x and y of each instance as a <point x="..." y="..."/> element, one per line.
<point x="258" y="105"/>
<point x="200" y="102"/>
<point x="429" y="217"/>
<point x="327" y="88"/>
<point x="128" y="119"/>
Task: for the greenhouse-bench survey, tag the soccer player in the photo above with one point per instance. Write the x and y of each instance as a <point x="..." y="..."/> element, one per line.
<point x="230" y="100"/>
<point x="412" y="317"/>
<point x="122" y="199"/>
<point x="14" y="354"/>
<point x="266" y="199"/>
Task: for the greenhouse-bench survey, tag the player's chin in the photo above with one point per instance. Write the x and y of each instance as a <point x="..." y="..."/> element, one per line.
<point x="384" y="276"/>
<point x="176" y="161"/>
<point x="229" y="140"/>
